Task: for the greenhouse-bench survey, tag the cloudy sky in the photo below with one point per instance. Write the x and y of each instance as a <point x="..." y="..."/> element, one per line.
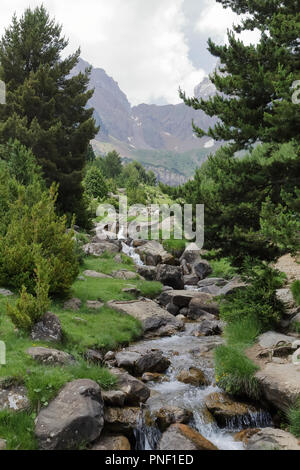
<point x="150" y="47"/>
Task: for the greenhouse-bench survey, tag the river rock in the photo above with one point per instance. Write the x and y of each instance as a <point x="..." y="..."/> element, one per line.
<point x="135" y="391"/>
<point x="232" y="286"/>
<point x="181" y="298"/>
<point x="217" y="281"/>
<point x="191" y="254"/>
<point x="111" y="442"/>
<point x="273" y="439"/>
<point x="173" y="309"/>
<point x="170" y="276"/>
<point x="227" y="411"/>
<point x="154" y="319"/>
<point x="137" y="363"/>
<point x="72" y="304"/>
<point x="121" y="420"/>
<point x="125" y="275"/>
<point x="182" y="437"/>
<point x="190" y="280"/>
<point x="75" y="416"/>
<point x="270" y="339"/>
<point x="207" y="327"/>
<point x="202" y="268"/>
<point x="49" y="356"/>
<point x="153" y="253"/>
<point x="48" y="329"/>
<point x="193" y="376"/>
<point x="97" y="249"/>
<point x="96" y="274"/>
<point x="152" y="377"/>
<point x="13" y="398"/>
<point x="280" y="384"/>
<point x="171" y="415"/>
<point x="132" y="291"/>
<point x="286" y="297"/>
<point x="203" y="303"/>
<point x="147" y="272"/>
<point x="114" y="397"/>
<point x="245" y="435"/>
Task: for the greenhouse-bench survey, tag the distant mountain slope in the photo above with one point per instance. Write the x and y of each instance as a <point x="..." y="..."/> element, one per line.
<point x="160" y="137"/>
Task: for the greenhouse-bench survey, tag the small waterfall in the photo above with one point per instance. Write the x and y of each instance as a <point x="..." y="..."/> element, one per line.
<point x="257" y="419"/>
<point x="146" y="436"/>
<point x="129" y="250"/>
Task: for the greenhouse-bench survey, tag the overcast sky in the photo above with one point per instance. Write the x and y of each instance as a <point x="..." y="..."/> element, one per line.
<point x="150" y="47"/>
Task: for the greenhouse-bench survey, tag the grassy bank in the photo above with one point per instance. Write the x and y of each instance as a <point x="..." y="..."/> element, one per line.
<point x="85" y="328"/>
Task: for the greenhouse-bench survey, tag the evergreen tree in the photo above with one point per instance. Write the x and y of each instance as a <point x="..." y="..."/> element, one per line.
<point x="255" y="82"/>
<point x="46" y="107"/>
<point x="111" y="164"/>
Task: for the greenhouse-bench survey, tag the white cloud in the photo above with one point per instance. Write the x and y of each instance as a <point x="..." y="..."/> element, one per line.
<point x="141" y="44"/>
<point x="214" y="20"/>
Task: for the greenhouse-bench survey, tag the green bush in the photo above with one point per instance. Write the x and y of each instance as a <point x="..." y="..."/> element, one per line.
<point x="94" y="183"/>
<point x="223" y="268"/>
<point x="29" y="309"/>
<point x="295" y="288"/>
<point x="258" y="300"/>
<point x="37" y="225"/>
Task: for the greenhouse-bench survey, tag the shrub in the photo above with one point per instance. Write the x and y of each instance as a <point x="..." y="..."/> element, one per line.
<point x="37" y="225"/>
<point x="94" y="183"/>
<point x="29" y="309"/>
<point x="295" y="288"/>
<point x="222" y="268"/>
<point x="258" y="300"/>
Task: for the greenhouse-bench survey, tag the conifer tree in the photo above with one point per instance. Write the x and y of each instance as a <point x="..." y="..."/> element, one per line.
<point x="255" y="83"/>
<point x="46" y="106"/>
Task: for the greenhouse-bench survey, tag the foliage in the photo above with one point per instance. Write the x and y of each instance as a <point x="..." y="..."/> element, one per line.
<point x="254" y="82"/>
<point x="223" y="268"/>
<point x="281" y="223"/>
<point x="35" y="226"/>
<point x="257" y="300"/>
<point x="94" y="184"/>
<point x="234" y="189"/>
<point x="45" y="106"/>
<point x="111" y="164"/>
<point x="18" y="430"/>
<point x="29" y="309"/>
<point x="295" y="288"/>
<point x="294" y="419"/>
<point x="235" y="372"/>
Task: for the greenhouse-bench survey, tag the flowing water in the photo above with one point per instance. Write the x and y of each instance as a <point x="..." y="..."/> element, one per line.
<point x="185" y="351"/>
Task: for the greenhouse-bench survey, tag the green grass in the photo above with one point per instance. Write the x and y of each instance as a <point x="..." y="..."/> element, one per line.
<point x="295" y="288"/>
<point x="294" y="419"/>
<point x="235" y="372"/>
<point x="18" y="430"/>
<point x="175" y="247"/>
<point x="242" y="333"/>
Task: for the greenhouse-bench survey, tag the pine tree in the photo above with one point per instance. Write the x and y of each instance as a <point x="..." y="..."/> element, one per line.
<point x="46" y="107"/>
<point x="255" y="82"/>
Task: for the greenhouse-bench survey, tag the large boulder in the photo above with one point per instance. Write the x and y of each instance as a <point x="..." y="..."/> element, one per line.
<point x="75" y="416"/>
<point x="193" y="376"/>
<point x="280" y="384"/>
<point x="147" y="272"/>
<point x="50" y="356"/>
<point x="137" y="363"/>
<point x="228" y="412"/>
<point x="182" y="437"/>
<point x="48" y="329"/>
<point x="112" y="442"/>
<point x="232" y="286"/>
<point x="125" y="275"/>
<point x="180" y="298"/>
<point x="271" y="339"/>
<point x="170" y="276"/>
<point x="95" y="274"/>
<point x="154" y="320"/>
<point x="273" y="439"/>
<point x="203" y="303"/>
<point x="153" y="253"/>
